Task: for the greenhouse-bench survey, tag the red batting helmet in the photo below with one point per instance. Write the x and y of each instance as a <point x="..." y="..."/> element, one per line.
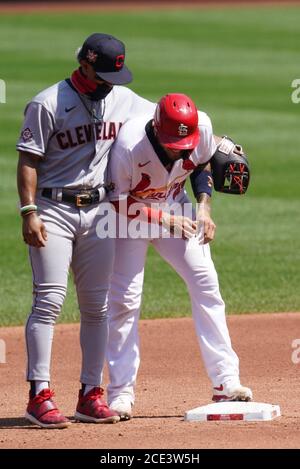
<point x="176" y="122"/>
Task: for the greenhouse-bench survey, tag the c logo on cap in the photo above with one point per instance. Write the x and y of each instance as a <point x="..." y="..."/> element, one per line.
<point x="120" y="61"/>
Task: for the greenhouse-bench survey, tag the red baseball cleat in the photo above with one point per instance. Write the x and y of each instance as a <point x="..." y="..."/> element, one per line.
<point x="42" y="411"/>
<point x="92" y="408"/>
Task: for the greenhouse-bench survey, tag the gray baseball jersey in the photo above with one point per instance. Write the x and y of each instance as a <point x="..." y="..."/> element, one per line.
<point x="72" y="134"/>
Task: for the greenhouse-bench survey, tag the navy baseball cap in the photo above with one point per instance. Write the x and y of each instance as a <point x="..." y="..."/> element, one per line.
<point x="106" y="54"/>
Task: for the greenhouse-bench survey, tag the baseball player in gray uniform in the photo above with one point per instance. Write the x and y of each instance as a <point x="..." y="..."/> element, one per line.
<point x="149" y="165"/>
<point x="64" y="144"/>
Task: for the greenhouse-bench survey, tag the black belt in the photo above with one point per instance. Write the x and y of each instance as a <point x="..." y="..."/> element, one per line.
<point x="80" y="199"/>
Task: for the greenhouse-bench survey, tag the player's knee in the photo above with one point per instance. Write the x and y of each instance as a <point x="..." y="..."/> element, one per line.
<point x="124" y="305"/>
<point x="48" y="301"/>
<point x="93" y="306"/>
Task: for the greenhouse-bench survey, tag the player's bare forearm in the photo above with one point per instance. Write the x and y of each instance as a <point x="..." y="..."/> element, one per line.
<point x="204" y="218"/>
<point x="34" y="231"/>
<point x="27" y="177"/>
<point x="203" y="205"/>
<point x="182" y="226"/>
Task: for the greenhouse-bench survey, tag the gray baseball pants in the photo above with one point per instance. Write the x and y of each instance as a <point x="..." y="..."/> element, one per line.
<point x="72" y="242"/>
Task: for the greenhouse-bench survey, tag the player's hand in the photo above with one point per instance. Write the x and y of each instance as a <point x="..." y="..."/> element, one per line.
<point x="181" y="226"/>
<point x="206" y="226"/>
<point x="34" y="231"/>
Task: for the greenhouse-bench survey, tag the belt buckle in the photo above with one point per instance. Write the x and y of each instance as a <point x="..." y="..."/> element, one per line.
<point x="83" y="199"/>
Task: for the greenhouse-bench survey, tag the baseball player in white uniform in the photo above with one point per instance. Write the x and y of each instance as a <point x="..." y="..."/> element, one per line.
<point x="64" y="144"/>
<point x="149" y="164"/>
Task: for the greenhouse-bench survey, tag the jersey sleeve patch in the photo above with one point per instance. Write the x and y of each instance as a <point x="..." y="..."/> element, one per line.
<point x="26" y="135"/>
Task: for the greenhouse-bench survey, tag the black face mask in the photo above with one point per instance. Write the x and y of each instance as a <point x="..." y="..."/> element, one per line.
<point x="185" y="154"/>
<point x="100" y="93"/>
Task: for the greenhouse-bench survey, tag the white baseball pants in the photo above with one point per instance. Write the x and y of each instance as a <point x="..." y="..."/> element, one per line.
<point x="194" y="264"/>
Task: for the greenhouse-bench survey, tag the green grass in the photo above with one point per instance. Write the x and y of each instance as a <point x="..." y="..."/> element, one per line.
<point x="238" y="65"/>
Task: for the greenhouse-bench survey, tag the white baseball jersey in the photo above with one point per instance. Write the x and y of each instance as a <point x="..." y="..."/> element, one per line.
<point x="136" y="169"/>
<point x="72" y="135"/>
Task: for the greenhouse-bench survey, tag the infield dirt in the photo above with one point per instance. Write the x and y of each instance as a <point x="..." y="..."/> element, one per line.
<point x="171" y="380"/>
